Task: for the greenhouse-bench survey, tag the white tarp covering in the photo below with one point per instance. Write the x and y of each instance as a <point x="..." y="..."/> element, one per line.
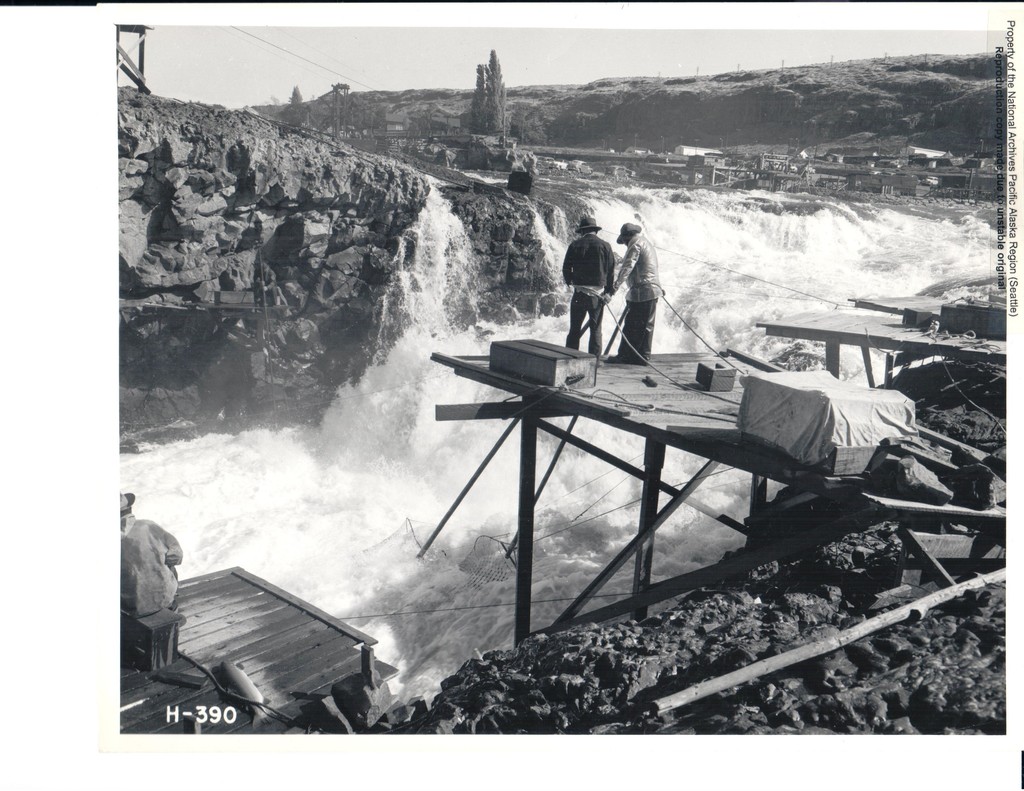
<point x="807" y="414"/>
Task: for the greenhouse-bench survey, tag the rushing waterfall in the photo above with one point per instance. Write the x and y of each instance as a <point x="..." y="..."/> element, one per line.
<point x="335" y="513"/>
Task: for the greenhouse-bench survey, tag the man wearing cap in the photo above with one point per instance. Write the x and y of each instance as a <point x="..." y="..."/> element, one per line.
<point x="589" y="267"/>
<point x="640" y="267"/>
<point x="149" y="581"/>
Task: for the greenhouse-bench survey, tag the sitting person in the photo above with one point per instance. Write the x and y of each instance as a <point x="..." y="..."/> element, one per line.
<point x="149" y="581"/>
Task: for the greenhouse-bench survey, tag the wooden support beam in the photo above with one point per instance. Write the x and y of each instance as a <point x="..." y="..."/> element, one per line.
<point x="730" y="567"/>
<point x="544" y="481"/>
<point x="127" y="65"/>
<point x="918" y="550"/>
<point x="467" y="487"/>
<point x="524" y="564"/>
<point x="758" y="493"/>
<point x="654" y="460"/>
<point x="756" y="362"/>
<point x="603" y="455"/>
<point x="951" y="444"/>
<point x="554" y="458"/>
<point x="888" y="370"/>
<point x="868" y="370"/>
<point x="627" y="551"/>
<point x="493" y="410"/>
<point x="832" y="357"/>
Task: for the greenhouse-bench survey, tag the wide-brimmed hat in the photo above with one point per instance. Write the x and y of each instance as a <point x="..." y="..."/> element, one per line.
<point x="587" y="223"/>
<point x="127" y="500"/>
<point x="628" y="230"/>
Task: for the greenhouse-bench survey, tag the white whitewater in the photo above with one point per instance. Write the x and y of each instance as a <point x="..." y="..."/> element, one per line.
<point x="334" y="513"/>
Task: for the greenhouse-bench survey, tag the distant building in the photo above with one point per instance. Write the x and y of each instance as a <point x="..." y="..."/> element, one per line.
<point x="635" y="150"/>
<point x="694" y="151"/>
<point x="396" y="122"/>
<point x="927" y="153"/>
<point x="884" y="183"/>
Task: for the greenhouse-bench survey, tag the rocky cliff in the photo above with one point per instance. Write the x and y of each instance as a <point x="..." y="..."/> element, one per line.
<point x="223" y="214"/>
<point x="936" y="101"/>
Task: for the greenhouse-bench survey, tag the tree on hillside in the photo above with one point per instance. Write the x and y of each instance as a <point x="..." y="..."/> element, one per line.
<point x="477" y="113"/>
<point x="296" y="96"/>
<point x="496" y="96"/>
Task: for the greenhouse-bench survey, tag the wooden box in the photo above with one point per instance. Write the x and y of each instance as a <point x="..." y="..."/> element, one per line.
<point x="917" y="317"/>
<point x="150" y="642"/>
<point x="544" y="363"/>
<point x="719" y="379"/>
<point x="849" y="461"/>
<point x="983" y="320"/>
<point x="233" y="298"/>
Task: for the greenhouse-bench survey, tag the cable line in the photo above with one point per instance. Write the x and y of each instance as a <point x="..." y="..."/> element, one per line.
<point x="325" y="54"/>
<point x="296" y="55"/>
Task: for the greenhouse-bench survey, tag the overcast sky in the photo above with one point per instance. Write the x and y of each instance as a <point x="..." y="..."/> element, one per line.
<point x="244" y="62"/>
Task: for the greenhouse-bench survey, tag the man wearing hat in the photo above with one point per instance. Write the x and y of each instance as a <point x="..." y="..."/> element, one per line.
<point x="640" y="267"/>
<point x="149" y="581"/>
<point x="589" y="267"/>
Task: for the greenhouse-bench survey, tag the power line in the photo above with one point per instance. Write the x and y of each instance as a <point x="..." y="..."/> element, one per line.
<point x="271" y="52"/>
<point x="296" y="55"/>
<point x="326" y="54"/>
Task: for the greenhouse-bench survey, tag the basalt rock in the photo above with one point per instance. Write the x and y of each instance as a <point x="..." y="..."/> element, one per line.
<point x="223" y="213"/>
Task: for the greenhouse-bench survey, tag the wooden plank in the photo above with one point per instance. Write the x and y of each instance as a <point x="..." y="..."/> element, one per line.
<point x="857" y="327"/>
<point x="912" y="507"/>
<point x="245" y="622"/>
<point x="208" y="577"/>
<point x="465" y="368"/>
<point x="308" y="608"/>
<point x="868" y="370"/>
<point x="832" y="349"/>
<point x="730" y="567"/>
<point x="524" y="564"/>
<point x="494" y="410"/>
<point x="244" y="632"/>
<point x="756" y="362"/>
<point x="654" y="460"/>
<point x="932" y="566"/>
<point x="207" y="607"/>
<point x="214" y="587"/>
<point x="231" y="612"/>
<point x="951" y="444"/>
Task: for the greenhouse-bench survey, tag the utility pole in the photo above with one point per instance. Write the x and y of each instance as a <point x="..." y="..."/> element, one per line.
<point x="339" y="89"/>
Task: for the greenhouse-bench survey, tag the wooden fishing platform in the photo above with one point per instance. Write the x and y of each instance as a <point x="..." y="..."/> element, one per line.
<point x="292" y="651"/>
<point x="676" y="414"/>
<point x="879" y="329"/>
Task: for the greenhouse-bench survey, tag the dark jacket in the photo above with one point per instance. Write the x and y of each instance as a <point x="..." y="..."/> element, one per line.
<point x="589" y="261"/>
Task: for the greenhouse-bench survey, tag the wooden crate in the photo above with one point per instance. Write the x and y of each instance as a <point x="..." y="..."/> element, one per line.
<point x="233" y="298"/>
<point x="719" y="379"/>
<point x="544" y="363"/>
<point x="849" y="461"/>
<point x="150" y="642"/>
<point x="917" y="317"/>
<point x="958" y="553"/>
<point x="985" y="321"/>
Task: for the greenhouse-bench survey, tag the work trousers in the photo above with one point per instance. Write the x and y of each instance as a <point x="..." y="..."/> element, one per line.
<point x="581" y="308"/>
<point x="638" y="331"/>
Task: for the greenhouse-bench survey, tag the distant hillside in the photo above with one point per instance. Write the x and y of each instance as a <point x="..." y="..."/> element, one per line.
<point x="935" y="101"/>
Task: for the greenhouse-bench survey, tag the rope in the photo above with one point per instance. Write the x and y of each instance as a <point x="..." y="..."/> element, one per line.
<point x="691" y="329"/>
